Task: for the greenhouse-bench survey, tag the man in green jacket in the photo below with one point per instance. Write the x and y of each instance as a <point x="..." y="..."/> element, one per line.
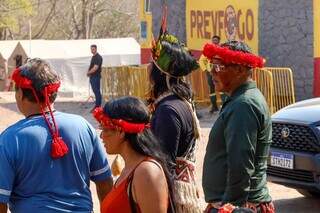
<point x="235" y="163"/>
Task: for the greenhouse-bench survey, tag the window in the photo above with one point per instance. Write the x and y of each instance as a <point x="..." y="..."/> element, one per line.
<point x="143" y="28"/>
<point x="18" y="59"/>
<point x="147" y="6"/>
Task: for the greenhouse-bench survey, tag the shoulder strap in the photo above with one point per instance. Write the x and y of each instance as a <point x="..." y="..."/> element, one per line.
<point x="129" y="184"/>
<point x="196" y="129"/>
<point x="132" y="203"/>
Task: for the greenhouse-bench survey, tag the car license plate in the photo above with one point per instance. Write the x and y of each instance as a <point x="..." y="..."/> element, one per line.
<point x="283" y="160"/>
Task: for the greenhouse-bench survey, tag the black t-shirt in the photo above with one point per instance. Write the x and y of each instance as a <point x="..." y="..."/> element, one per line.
<point x="96" y="60"/>
<point x="172" y="123"/>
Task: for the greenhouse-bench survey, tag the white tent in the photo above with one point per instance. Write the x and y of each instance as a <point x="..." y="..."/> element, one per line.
<point x="10" y="48"/>
<point x="6" y="49"/>
<point x="71" y="58"/>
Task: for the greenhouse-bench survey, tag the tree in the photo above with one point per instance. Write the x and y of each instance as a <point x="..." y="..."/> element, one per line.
<point x="93" y="13"/>
<point x="10" y="12"/>
<point x="70" y="19"/>
<point x="49" y="16"/>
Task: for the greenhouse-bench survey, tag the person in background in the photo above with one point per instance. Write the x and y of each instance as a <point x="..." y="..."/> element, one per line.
<point x="48" y="158"/>
<point x="145" y="183"/>
<point x="215" y="39"/>
<point x="235" y="163"/>
<point x="213" y="98"/>
<point x="94" y="73"/>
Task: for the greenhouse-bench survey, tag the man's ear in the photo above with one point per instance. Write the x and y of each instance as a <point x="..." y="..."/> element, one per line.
<point x="122" y="134"/>
<point x="242" y="70"/>
<point x="19" y="94"/>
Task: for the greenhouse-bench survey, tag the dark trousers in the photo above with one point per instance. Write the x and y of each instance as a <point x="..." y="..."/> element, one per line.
<point x="212" y="94"/>
<point x="95" y="85"/>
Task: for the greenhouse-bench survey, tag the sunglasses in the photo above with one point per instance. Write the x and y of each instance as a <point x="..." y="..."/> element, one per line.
<point x="218" y="67"/>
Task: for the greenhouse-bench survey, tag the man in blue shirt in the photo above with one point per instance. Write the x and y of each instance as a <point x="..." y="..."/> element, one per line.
<point x="48" y="159"/>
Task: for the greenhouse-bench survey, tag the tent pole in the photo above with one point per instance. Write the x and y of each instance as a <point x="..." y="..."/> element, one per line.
<point x="30" y="37"/>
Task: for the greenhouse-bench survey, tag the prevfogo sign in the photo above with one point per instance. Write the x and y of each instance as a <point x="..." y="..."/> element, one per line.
<point x="229" y="19"/>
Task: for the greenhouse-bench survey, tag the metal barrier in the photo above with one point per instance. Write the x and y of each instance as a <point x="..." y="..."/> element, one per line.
<point x="200" y="87"/>
<point x="283" y="87"/>
<point x="264" y="81"/>
<point x="276" y="84"/>
<point x="122" y="81"/>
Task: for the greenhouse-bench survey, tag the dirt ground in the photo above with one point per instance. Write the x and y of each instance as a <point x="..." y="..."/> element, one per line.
<point x="286" y="200"/>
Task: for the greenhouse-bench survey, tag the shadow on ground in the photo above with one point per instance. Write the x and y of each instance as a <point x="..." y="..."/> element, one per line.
<point x="297" y="205"/>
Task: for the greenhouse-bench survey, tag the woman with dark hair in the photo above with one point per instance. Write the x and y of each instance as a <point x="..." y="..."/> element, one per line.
<point x="174" y="121"/>
<point x="145" y="183"/>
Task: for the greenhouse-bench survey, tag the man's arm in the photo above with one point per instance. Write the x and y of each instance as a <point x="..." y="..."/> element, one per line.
<point x="103" y="188"/>
<point x="241" y="137"/>
<point x="3" y="208"/>
<point x="92" y="70"/>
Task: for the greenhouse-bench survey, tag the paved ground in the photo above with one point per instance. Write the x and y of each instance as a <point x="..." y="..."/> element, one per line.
<point x="286" y="200"/>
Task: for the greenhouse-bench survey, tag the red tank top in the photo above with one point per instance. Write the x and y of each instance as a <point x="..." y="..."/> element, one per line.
<point x="118" y="199"/>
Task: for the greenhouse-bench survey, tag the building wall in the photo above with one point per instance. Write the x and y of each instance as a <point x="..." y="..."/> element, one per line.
<point x="285" y="35"/>
<point x="176" y="17"/>
<point x="286" y="40"/>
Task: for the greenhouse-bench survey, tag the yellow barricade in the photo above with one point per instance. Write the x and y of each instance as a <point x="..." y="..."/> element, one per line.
<point x="283" y="87"/>
<point x="264" y="81"/>
<point x="124" y="81"/>
<point x="200" y="88"/>
<point x="276" y="84"/>
<point x="198" y="80"/>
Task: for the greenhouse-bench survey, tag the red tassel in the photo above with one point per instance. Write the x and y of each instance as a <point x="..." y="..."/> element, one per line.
<point x="226" y="208"/>
<point x="58" y="148"/>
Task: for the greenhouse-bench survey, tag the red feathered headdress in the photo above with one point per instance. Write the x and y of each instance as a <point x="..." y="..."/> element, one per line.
<point x="228" y="56"/>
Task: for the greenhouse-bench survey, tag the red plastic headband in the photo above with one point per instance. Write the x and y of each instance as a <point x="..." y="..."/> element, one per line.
<point x="26" y="83"/>
<point x="232" y="57"/>
<point x="110" y="123"/>
<point x="58" y="146"/>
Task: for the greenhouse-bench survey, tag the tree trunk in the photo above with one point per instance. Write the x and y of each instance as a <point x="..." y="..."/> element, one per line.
<point x="46" y="22"/>
<point x="84" y="20"/>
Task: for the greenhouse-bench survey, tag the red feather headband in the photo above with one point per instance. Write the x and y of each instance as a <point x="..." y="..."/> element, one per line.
<point x="123" y="125"/>
<point x="58" y="146"/>
<point x="232" y="57"/>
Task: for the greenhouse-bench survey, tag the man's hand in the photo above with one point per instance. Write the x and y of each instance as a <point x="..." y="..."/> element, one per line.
<point x="3" y="208"/>
<point x="92" y="70"/>
<point x="210" y="206"/>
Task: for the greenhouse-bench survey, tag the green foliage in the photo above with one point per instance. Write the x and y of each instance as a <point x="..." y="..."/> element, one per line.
<point x="69" y="19"/>
<point x="13" y="10"/>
